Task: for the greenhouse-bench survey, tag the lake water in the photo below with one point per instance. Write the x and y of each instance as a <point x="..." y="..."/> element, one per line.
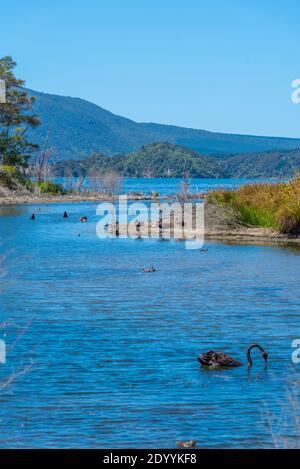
<point x="171" y="186"/>
<point x="113" y="351"/>
<point x="168" y="186"/>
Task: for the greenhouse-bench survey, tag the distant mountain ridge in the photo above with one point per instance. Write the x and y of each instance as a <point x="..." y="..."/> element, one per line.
<point x="77" y="128"/>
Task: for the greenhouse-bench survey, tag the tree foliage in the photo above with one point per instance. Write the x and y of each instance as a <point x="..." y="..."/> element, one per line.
<point x="16" y="118"/>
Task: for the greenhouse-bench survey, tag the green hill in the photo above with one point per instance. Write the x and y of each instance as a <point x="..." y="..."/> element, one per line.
<point x="160" y="159"/>
<point x="281" y="163"/>
<point x="163" y="159"/>
<point x="78" y="128"/>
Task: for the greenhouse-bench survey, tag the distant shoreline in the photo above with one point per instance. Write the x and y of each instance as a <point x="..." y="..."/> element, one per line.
<point x="42" y="199"/>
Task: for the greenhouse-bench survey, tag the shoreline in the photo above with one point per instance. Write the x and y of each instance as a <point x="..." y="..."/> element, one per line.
<point x="253" y="236"/>
<point x="41" y="199"/>
<point x="219" y="226"/>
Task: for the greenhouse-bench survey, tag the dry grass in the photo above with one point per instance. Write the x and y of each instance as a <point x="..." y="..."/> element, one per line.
<point x="266" y="205"/>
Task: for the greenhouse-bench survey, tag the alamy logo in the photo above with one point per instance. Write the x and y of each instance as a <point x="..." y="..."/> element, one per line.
<point x="2" y="352"/>
<point x="295" y="96"/>
<point x="184" y="221"/>
<point x="296" y="352"/>
<point x="2" y="92"/>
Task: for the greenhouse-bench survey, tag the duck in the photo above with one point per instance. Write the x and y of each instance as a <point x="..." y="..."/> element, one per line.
<point x="150" y="269"/>
<point x="213" y="359"/>
<point x="186" y="444"/>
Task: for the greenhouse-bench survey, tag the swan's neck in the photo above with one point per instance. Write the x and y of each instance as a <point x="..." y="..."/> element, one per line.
<point x="249" y="359"/>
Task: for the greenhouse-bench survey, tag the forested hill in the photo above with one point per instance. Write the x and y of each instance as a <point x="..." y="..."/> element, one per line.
<point x="154" y="160"/>
<point x="166" y="160"/>
<point x="77" y="128"/>
<point x="280" y="163"/>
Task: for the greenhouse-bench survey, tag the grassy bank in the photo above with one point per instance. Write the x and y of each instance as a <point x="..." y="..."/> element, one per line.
<point x="265" y="205"/>
<point x="13" y="181"/>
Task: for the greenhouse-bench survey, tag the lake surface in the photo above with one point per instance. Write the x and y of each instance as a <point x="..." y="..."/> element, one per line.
<point x="171" y="186"/>
<point x="168" y="186"/>
<point x="113" y="350"/>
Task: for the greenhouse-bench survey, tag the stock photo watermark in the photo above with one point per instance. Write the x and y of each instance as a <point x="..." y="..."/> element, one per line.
<point x="295" y="96"/>
<point x="2" y="352"/>
<point x="181" y="221"/>
<point x="296" y="352"/>
<point x="2" y="92"/>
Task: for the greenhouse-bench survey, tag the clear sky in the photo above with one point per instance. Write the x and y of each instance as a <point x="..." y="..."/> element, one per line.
<point x="222" y="65"/>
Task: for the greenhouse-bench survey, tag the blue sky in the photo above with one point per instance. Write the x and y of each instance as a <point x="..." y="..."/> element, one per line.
<point x="223" y="65"/>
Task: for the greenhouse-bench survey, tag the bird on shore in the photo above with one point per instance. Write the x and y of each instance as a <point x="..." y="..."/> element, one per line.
<point x="65" y="215"/>
<point x="222" y="360"/>
<point x="150" y="269"/>
<point x="186" y="444"/>
<point x="32" y="217"/>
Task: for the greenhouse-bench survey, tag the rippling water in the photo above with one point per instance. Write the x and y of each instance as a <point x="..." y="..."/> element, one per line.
<point x="113" y="350"/>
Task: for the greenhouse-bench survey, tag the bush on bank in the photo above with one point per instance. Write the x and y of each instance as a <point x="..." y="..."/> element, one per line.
<point x="13" y="179"/>
<point x="265" y="205"/>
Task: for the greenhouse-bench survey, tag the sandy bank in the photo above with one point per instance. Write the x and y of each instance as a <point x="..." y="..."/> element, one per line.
<point x="48" y="199"/>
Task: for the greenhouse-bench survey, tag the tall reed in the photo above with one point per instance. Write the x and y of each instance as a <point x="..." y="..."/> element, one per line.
<point x="266" y="205"/>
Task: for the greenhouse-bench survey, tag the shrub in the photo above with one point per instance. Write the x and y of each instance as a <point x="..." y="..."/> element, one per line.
<point x="267" y="205"/>
<point x="47" y="187"/>
<point x="10" y="176"/>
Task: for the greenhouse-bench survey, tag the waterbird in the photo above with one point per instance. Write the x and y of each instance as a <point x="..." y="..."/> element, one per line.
<point x="32" y="217"/>
<point x="150" y="269"/>
<point x="222" y="360"/>
<point x="83" y="219"/>
<point x="65" y="215"/>
<point x="186" y="444"/>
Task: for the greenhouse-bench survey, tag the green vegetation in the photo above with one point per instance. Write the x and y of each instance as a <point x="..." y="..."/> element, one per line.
<point x="16" y="149"/>
<point x="278" y="163"/>
<point x="167" y="160"/>
<point x="163" y="159"/>
<point x="15" y="119"/>
<point x="154" y="160"/>
<point x="11" y="177"/>
<point x="266" y="205"/>
<point x="47" y="187"/>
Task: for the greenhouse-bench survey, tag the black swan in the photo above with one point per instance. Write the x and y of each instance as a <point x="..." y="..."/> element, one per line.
<point x="65" y="215"/>
<point x="222" y="360"/>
